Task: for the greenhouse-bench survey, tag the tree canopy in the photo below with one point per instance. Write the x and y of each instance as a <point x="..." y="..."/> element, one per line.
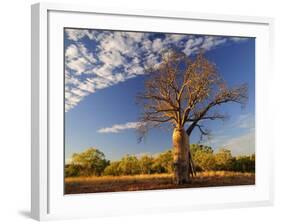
<point x="184" y="91"/>
<point x="93" y="160"/>
<point x="205" y="159"/>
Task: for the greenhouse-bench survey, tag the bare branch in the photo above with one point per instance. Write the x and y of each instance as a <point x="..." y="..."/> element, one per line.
<point x="203" y="131"/>
<point x="184" y="90"/>
<point x="236" y="95"/>
<point x="214" y="116"/>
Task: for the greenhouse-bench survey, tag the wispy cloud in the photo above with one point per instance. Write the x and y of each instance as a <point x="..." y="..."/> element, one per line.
<point x="120" y="127"/>
<point x="242" y="142"/>
<point x="96" y="60"/>
<point x="239" y="39"/>
<point x="245" y="121"/>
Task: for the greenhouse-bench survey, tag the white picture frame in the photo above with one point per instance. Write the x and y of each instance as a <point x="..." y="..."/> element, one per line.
<point x="47" y="198"/>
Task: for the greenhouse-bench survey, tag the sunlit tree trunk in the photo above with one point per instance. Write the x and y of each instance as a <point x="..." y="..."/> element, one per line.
<point x="181" y="156"/>
<point x="183" y="92"/>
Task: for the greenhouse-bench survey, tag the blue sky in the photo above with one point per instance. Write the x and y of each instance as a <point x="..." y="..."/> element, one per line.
<point x="104" y="70"/>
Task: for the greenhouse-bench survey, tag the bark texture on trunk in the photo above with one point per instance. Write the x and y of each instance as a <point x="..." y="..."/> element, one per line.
<point x="181" y="156"/>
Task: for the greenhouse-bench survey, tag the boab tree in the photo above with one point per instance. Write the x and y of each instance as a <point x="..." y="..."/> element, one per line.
<point x="183" y="92"/>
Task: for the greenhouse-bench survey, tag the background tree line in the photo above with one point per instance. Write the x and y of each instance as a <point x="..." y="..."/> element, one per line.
<point x="92" y="162"/>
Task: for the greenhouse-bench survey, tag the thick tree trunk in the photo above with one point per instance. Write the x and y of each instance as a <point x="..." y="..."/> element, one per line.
<point x="181" y="156"/>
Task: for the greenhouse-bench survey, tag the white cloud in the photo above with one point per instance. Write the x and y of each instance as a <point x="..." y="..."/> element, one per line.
<point x="113" y="58"/>
<point x="86" y="54"/>
<point x="120" y="127"/>
<point x="71" y="52"/>
<point x="79" y="59"/>
<point x="192" y="45"/>
<point x="146" y="45"/>
<point x="79" y="92"/>
<point x="116" y="42"/>
<point x="77" y="34"/>
<point x="72" y="100"/>
<point x="78" y="64"/>
<point x="176" y="37"/>
<point x="135" y="36"/>
<point x="239" y="39"/>
<point x="152" y="60"/>
<point x="157" y="45"/>
<point x="118" y="56"/>
<point x="212" y="41"/>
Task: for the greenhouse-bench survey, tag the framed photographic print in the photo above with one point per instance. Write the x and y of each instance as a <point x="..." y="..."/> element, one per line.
<point x="147" y="111"/>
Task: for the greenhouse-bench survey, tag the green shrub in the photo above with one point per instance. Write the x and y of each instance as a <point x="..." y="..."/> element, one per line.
<point x="129" y="165"/>
<point x="72" y="170"/>
<point x="113" y="169"/>
<point x="92" y="161"/>
<point x="163" y="163"/>
<point x="146" y="164"/>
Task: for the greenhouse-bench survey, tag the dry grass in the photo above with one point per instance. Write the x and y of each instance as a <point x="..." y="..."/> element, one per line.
<point x="75" y="185"/>
<point x="118" y="178"/>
